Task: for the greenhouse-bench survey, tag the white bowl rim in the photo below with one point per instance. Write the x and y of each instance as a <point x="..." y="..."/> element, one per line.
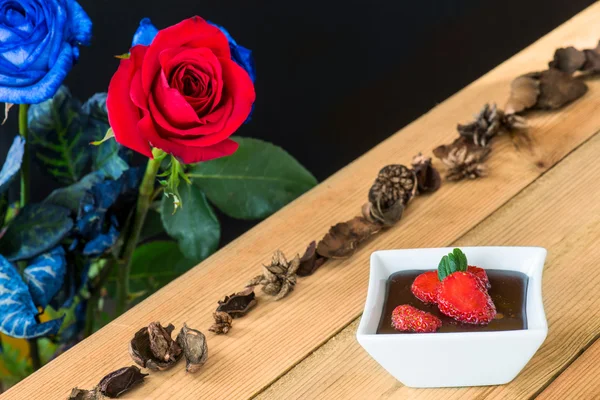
<point x="534" y="284"/>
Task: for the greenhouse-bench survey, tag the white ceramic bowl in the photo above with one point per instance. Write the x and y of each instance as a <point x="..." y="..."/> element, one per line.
<point x="454" y="359"/>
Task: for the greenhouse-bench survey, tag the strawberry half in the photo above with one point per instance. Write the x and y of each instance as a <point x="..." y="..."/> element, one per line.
<point x="480" y="273"/>
<point x="424" y="286"/>
<point x="406" y="318"/>
<point x="462" y="296"/>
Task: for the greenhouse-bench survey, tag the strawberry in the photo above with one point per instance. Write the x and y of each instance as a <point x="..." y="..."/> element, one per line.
<point x="480" y="273"/>
<point x="424" y="287"/>
<point x="461" y="296"/>
<point x="409" y="319"/>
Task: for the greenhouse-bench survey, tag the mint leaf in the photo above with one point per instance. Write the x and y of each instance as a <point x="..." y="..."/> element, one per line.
<point x="444" y="268"/>
<point x="453" y="262"/>
<point x="461" y="259"/>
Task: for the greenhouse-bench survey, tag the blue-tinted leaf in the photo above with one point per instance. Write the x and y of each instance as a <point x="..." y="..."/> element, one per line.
<point x="145" y="33"/>
<point x="101" y="243"/>
<point x="36" y="229"/>
<point x="106" y="156"/>
<point x="17" y="311"/>
<point x="71" y="196"/>
<point x="45" y="275"/>
<point x="95" y="224"/>
<point x="58" y="136"/>
<point x="95" y="110"/>
<point x="12" y="164"/>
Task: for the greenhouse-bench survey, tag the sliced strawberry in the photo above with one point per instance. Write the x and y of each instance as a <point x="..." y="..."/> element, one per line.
<point x="480" y="273"/>
<point x="424" y="286"/>
<point x="462" y="297"/>
<point x="407" y="318"/>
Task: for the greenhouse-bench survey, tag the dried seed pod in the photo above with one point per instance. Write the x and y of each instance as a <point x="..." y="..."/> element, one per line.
<point x="152" y="347"/>
<point x="546" y="90"/>
<point x="463" y="159"/>
<point x="238" y="304"/>
<point x="310" y="261"/>
<point x="278" y="278"/>
<point x="557" y="89"/>
<point x="524" y="92"/>
<point x="394" y="183"/>
<point x="373" y="213"/>
<point x="195" y="349"/>
<point x="120" y="381"/>
<point x="568" y="59"/>
<point x="222" y="323"/>
<point x="343" y="238"/>
<point x="428" y="178"/>
<point x="82" y="394"/>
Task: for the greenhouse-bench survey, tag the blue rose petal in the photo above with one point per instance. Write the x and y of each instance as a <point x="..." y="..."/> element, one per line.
<point x="38" y="47"/>
<point x="145" y="33"/>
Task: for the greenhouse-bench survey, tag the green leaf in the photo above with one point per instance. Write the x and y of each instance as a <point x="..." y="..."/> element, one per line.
<point x="110" y="134"/>
<point x="154" y="265"/>
<point x="58" y="137"/>
<point x="152" y="226"/>
<point x="461" y="260"/>
<point x="195" y="226"/>
<point x="37" y="228"/>
<point x="444" y="268"/>
<point x="453" y="262"/>
<point x="15" y="366"/>
<point x="157" y="263"/>
<point x="452" y="265"/>
<point x="254" y="182"/>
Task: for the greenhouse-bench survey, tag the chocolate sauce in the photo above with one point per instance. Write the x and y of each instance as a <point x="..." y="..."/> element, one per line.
<point x="508" y="291"/>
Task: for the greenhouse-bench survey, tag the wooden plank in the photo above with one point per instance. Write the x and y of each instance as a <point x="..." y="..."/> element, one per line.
<point x="561" y="212"/>
<point x="276" y="336"/>
<point x="580" y="380"/>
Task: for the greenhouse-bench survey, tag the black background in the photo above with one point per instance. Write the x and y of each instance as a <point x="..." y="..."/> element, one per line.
<point x="335" y="77"/>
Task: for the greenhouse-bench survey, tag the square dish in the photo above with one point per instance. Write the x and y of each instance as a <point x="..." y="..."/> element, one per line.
<point x="454" y="359"/>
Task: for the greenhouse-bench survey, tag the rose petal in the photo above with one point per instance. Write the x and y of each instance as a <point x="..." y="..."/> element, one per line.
<point x="123" y="115"/>
<point x="193" y="33"/>
<point x="185" y="153"/>
<point x="172" y="106"/>
<point x="229" y="116"/>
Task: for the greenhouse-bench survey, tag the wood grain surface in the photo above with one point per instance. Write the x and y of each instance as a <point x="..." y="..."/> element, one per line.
<point x="567" y="223"/>
<point x="580" y="380"/>
<point x="276" y="336"/>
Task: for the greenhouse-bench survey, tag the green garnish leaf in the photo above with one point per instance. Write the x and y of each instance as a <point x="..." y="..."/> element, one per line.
<point x="453" y="262"/>
<point x="444" y="268"/>
<point x="461" y="259"/>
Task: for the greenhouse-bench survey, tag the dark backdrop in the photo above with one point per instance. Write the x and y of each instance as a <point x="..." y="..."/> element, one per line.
<point x="335" y="77"/>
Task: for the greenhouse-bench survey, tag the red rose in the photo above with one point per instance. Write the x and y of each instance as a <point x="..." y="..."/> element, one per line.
<point x="182" y="94"/>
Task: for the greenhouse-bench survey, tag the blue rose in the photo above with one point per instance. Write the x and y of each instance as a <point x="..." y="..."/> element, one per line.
<point x="38" y="47"/>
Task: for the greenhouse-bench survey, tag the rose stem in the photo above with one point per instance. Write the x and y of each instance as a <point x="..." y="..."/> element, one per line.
<point x="23" y="109"/>
<point x="23" y="130"/>
<point x="143" y="204"/>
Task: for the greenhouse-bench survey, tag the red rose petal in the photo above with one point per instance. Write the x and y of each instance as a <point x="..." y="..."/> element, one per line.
<point x="192" y="33"/>
<point x="123" y="115"/>
<point x="172" y="106"/>
<point x="184" y="152"/>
